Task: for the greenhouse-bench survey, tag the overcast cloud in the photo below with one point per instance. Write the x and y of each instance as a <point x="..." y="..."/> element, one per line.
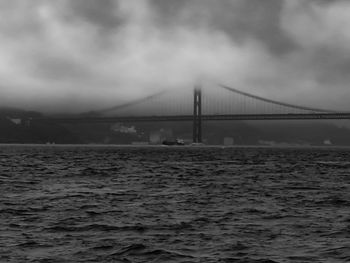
<point x="84" y="54"/>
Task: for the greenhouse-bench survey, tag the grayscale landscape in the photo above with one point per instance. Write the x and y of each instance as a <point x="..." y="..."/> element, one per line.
<point x="175" y="131"/>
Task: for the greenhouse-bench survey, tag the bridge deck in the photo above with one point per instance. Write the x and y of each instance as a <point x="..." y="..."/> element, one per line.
<point x="307" y="116"/>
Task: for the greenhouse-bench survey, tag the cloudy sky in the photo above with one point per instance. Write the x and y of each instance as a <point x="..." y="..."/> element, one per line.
<point x="83" y="54"/>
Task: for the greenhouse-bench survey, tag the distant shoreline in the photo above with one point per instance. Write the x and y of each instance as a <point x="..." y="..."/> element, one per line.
<point x="171" y="147"/>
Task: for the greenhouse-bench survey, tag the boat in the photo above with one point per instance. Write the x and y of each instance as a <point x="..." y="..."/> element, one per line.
<point x="176" y="142"/>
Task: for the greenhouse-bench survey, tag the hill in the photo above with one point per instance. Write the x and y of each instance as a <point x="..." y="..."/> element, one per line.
<point x="16" y="127"/>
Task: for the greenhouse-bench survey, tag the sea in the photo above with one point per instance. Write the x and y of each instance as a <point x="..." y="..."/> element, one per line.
<point x="174" y="204"/>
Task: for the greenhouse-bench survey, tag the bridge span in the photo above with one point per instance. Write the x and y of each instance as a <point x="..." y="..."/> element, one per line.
<point x="224" y="108"/>
<point x="229" y="117"/>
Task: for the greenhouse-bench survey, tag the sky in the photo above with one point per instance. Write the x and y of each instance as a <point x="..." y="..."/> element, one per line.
<point x="76" y="55"/>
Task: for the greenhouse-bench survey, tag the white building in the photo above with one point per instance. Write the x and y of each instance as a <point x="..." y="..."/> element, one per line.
<point x="16" y="121"/>
<point x="118" y="127"/>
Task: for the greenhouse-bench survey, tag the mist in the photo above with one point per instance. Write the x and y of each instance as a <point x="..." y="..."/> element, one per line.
<point x="76" y="55"/>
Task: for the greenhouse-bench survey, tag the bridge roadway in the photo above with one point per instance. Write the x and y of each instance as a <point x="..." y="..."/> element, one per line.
<point x="234" y="117"/>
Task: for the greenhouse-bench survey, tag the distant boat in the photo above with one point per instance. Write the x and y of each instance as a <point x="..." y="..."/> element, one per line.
<point x="176" y="142"/>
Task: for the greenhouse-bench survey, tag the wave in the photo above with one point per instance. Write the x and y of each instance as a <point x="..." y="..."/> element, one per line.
<point x="95" y="227"/>
<point x="149" y="254"/>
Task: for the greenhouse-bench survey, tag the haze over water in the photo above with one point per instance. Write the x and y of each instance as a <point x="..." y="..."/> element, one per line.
<point x="160" y="204"/>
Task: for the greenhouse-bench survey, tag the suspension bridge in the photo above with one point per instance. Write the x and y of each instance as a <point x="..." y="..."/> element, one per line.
<point x="204" y="104"/>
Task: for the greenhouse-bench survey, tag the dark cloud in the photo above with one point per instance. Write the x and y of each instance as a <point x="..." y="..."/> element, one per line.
<point x="240" y="19"/>
<point x="330" y="67"/>
<point x="170" y="9"/>
<point x="97" y="51"/>
<point x="253" y="19"/>
<point x="101" y="13"/>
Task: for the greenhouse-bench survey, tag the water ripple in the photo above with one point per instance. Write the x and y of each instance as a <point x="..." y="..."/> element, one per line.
<point x="242" y="205"/>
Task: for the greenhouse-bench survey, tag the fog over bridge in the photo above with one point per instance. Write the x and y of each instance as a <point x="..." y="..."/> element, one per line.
<point x="203" y="104"/>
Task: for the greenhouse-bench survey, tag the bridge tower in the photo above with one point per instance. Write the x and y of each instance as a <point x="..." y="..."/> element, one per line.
<point x="197" y="114"/>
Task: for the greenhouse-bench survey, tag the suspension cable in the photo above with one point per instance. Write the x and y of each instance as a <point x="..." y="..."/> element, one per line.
<point x="276" y="102"/>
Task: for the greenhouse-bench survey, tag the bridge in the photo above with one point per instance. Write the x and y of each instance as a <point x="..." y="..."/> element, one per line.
<point x="204" y="104"/>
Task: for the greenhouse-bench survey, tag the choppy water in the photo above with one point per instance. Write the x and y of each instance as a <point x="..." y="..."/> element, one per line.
<point x="90" y="204"/>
